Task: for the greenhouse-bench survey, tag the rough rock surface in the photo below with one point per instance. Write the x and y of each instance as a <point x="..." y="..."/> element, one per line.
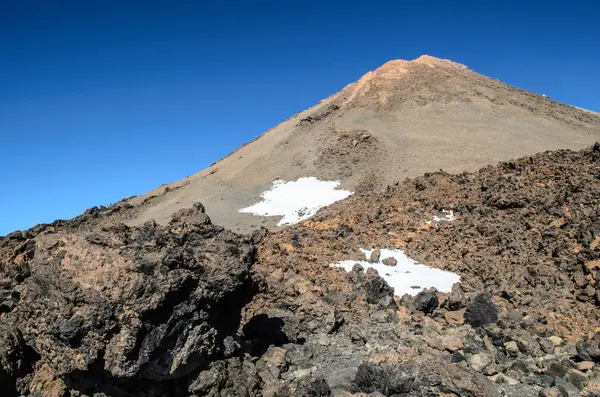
<point x="526" y="243"/>
<point x="91" y="308"/>
<point x="123" y="310"/>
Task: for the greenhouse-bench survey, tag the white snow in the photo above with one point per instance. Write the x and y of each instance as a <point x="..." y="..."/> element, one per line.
<point x="446" y="216"/>
<point x="297" y="200"/>
<point x="408" y="276"/>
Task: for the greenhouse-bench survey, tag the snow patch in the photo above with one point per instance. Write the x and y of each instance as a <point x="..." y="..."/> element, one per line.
<point x="408" y="276"/>
<point x="446" y="216"/>
<point x="297" y="200"/>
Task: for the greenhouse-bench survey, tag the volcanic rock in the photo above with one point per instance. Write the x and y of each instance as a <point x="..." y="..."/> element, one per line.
<point x="191" y="309"/>
<point x="481" y="311"/>
<point x="149" y="304"/>
<point x="426" y="301"/>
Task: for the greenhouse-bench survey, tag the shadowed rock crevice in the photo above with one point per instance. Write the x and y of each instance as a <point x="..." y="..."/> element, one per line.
<point x="261" y="332"/>
<point x="17" y="359"/>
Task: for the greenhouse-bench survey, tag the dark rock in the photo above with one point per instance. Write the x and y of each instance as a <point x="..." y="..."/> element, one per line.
<point x="566" y="388"/>
<point x="198" y="207"/>
<point x="546" y="345"/>
<point x="426" y="301"/>
<point x="520" y="367"/>
<point x="16" y="359"/>
<point x="457" y="357"/>
<point x="406" y="301"/>
<point x="376" y="287"/>
<point x="71" y="330"/>
<point x="258" y="235"/>
<point x="544" y="380"/>
<point x="481" y="311"/>
<point x="357" y="268"/>
<point x="587" y="351"/>
<point x="313" y="387"/>
<point x="577" y="378"/>
<point x="471" y="348"/>
<point x="357" y="274"/>
<point x="386" y="379"/>
<point x="556" y="369"/>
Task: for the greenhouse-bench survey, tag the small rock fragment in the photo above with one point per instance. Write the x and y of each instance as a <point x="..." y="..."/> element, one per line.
<point x="576" y="378"/>
<point x="546" y="345"/>
<point x="448" y="342"/>
<point x="550" y="392"/>
<point x="512" y="348"/>
<point x="374" y="258"/>
<point x="567" y="389"/>
<point x="457" y="299"/>
<point x="585" y="365"/>
<point x="456" y="317"/>
<point x="557" y="340"/>
<point x="479" y="361"/>
<point x="390" y="261"/>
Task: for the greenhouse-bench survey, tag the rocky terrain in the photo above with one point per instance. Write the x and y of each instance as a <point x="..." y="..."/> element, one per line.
<point x="92" y="307"/>
<point x="401" y="120"/>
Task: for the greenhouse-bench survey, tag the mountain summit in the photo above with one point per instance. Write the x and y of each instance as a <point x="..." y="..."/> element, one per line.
<point x="400" y="120"/>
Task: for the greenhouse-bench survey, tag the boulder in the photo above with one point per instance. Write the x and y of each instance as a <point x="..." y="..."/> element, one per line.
<point x="376" y="287"/>
<point x="426" y="301"/>
<point x="481" y="311"/>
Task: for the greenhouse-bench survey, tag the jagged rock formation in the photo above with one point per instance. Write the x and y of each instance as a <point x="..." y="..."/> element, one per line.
<point x="122" y="310"/>
<point x="90" y="308"/>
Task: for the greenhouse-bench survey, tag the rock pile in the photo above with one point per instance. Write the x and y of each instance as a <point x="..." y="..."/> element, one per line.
<point x="90" y="308"/>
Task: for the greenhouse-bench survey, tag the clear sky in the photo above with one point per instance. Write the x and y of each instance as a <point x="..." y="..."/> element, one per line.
<point x="101" y="100"/>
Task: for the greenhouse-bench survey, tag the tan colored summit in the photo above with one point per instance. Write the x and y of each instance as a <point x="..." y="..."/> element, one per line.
<point x="401" y="120"/>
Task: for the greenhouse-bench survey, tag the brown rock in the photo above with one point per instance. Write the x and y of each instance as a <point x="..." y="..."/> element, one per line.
<point x="448" y="342"/>
<point x="550" y="392"/>
<point x="374" y="258"/>
<point x="585" y="365"/>
<point x="557" y="340"/>
<point x="390" y="261"/>
<point x="589" y="290"/>
<point x="455" y="317"/>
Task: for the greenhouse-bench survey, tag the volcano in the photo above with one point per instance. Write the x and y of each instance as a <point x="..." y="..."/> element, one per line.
<point x="400" y="120"/>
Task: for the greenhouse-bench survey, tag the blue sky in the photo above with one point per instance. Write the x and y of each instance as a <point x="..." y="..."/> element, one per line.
<point x="101" y="100"/>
